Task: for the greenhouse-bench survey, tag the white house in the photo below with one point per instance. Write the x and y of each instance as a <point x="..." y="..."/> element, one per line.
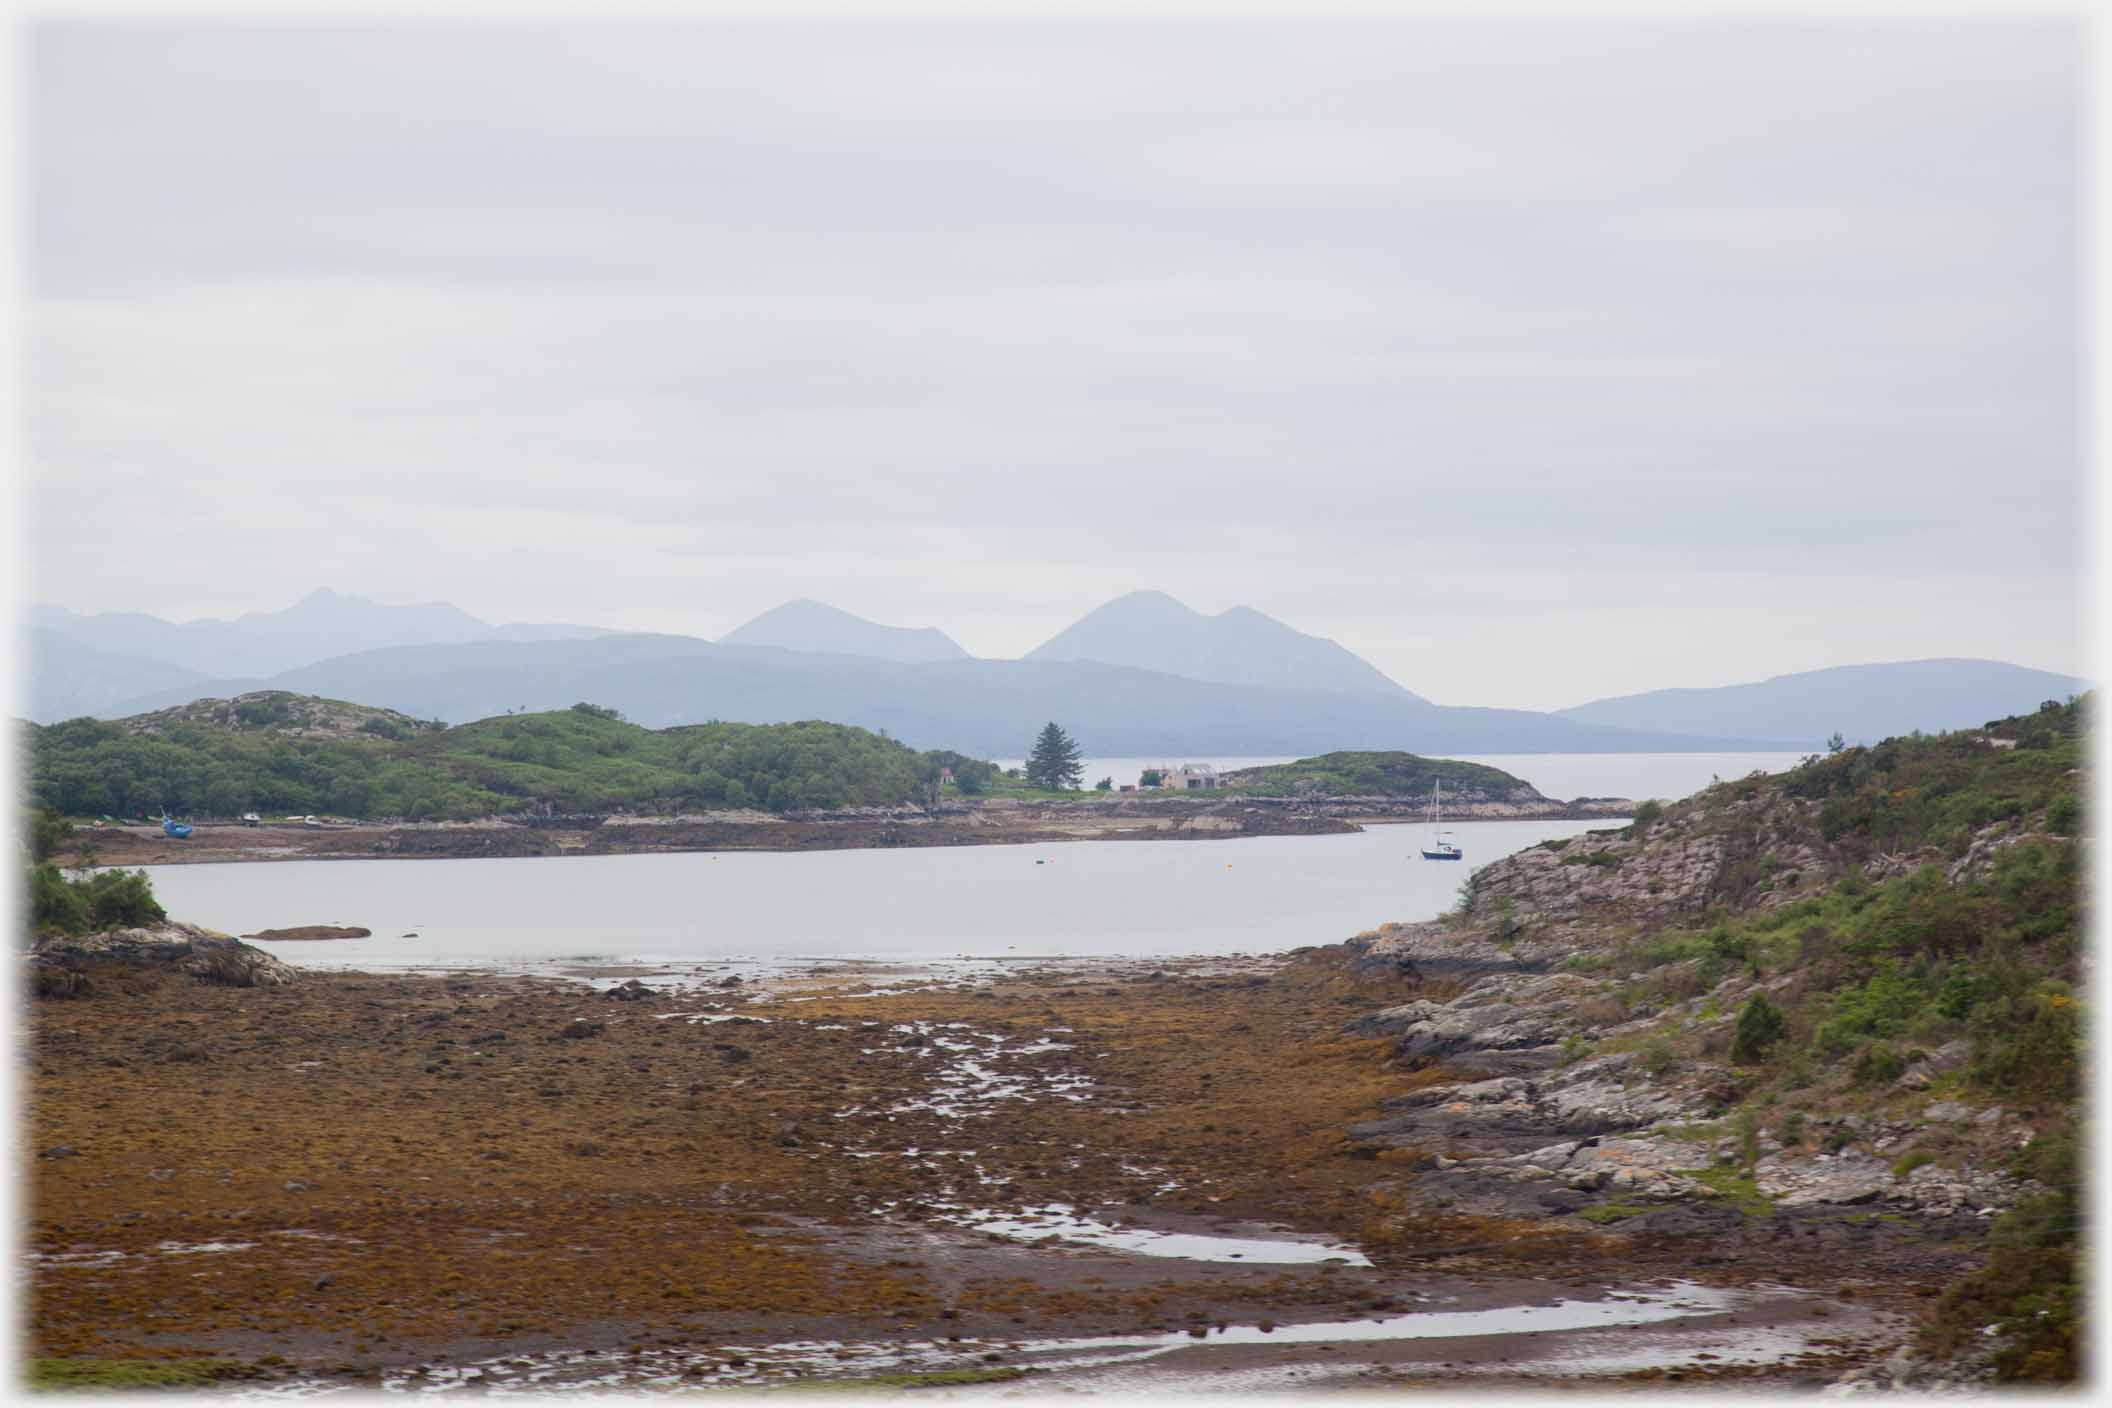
<point x="1189" y="777"/>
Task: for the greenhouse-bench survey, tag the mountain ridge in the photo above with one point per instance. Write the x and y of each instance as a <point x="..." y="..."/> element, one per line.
<point x="1863" y="702"/>
<point x="819" y="628"/>
<point x="993" y="707"/>
<point x="1152" y="630"/>
<point x="321" y="625"/>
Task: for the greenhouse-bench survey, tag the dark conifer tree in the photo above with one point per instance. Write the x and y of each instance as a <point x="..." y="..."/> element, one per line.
<point x="1054" y="764"/>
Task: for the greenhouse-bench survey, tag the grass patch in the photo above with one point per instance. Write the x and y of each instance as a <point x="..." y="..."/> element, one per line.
<point x="59" y="1375"/>
<point x="1604" y="1213"/>
<point x="1738" y="1189"/>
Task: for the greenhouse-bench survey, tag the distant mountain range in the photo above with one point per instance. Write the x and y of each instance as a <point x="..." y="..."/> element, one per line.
<point x="320" y="625"/>
<point x="1863" y="703"/>
<point x="1152" y="631"/>
<point x="990" y="707"/>
<point x="68" y="677"/>
<point x="1142" y="674"/>
<point x="815" y="627"/>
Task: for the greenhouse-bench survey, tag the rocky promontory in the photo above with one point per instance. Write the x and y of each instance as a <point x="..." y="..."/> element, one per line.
<point x="1829" y="1013"/>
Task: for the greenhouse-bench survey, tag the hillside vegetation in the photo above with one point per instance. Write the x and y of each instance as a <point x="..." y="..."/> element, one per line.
<point x="1379" y="775"/>
<point x="279" y="752"/>
<point x="1875" y="957"/>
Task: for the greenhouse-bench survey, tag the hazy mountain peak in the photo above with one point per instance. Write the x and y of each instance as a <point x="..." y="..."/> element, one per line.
<point x="816" y="627"/>
<point x="1150" y="630"/>
<point x="1863" y="703"/>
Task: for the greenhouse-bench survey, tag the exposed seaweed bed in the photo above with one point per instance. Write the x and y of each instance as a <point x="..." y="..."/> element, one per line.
<point x="475" y="1180"/>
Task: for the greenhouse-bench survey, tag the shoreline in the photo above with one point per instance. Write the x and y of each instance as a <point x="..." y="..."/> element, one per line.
<point x="1006" y="823"/>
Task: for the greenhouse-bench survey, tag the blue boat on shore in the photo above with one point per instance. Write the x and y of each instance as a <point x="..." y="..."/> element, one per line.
<point x="172" y="827"/>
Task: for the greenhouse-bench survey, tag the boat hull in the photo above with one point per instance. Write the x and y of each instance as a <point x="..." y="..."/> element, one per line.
<point x="1441" y="855"/>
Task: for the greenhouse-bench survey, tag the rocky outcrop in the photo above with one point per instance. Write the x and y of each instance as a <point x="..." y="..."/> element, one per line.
<point x="1989" y="842"/>
<point x="1517" y="1113"/>
<point x="1854" y="1177"/>
<point x="1500" y="1012"/>
<point x="64" y="966"/>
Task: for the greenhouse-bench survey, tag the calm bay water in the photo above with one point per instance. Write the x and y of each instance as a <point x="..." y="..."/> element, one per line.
<point x="1126" y="898"/>
<point x="1084" y="898"/>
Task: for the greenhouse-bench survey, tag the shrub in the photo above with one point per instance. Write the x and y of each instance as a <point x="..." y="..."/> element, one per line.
<point x="109" y="899"/>
<point x="2030" y="1290"/>
<point x="47" y="832"/>
<point x="2050" y="1159"/>
<point x="1879" y="1063"/>
<point x="1760" y="1025"/>
<point x="1880" y="1007"/>
<point x="2029" y="1046"/>
<point x="1747" y="1128"/>
<point x="55" y="904"/>
<point x="121" y="899"/>
<point x="1658" y="1056"/>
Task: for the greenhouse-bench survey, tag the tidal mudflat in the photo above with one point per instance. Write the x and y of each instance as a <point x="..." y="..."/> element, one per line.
<point x="1085" y="1172"/>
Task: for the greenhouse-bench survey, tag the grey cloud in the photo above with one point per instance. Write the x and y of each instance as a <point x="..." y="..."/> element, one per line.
<point x="700" y="318"/>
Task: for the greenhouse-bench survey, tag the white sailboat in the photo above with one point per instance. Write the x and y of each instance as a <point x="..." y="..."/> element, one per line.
<point x="1439" y="848"/>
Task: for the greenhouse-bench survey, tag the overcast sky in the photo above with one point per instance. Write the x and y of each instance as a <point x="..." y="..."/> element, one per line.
<point x="1535" y="361"/>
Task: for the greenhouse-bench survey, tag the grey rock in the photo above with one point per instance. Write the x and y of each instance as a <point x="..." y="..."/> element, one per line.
<point x="56" y="963"/>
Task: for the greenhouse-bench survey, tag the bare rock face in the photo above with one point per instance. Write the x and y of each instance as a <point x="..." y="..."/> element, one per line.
<point x="1659" y="875"/>
<point x="61" y="966"/>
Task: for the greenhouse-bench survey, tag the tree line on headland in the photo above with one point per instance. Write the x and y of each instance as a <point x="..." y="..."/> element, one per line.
<point x="287" y="753"/>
